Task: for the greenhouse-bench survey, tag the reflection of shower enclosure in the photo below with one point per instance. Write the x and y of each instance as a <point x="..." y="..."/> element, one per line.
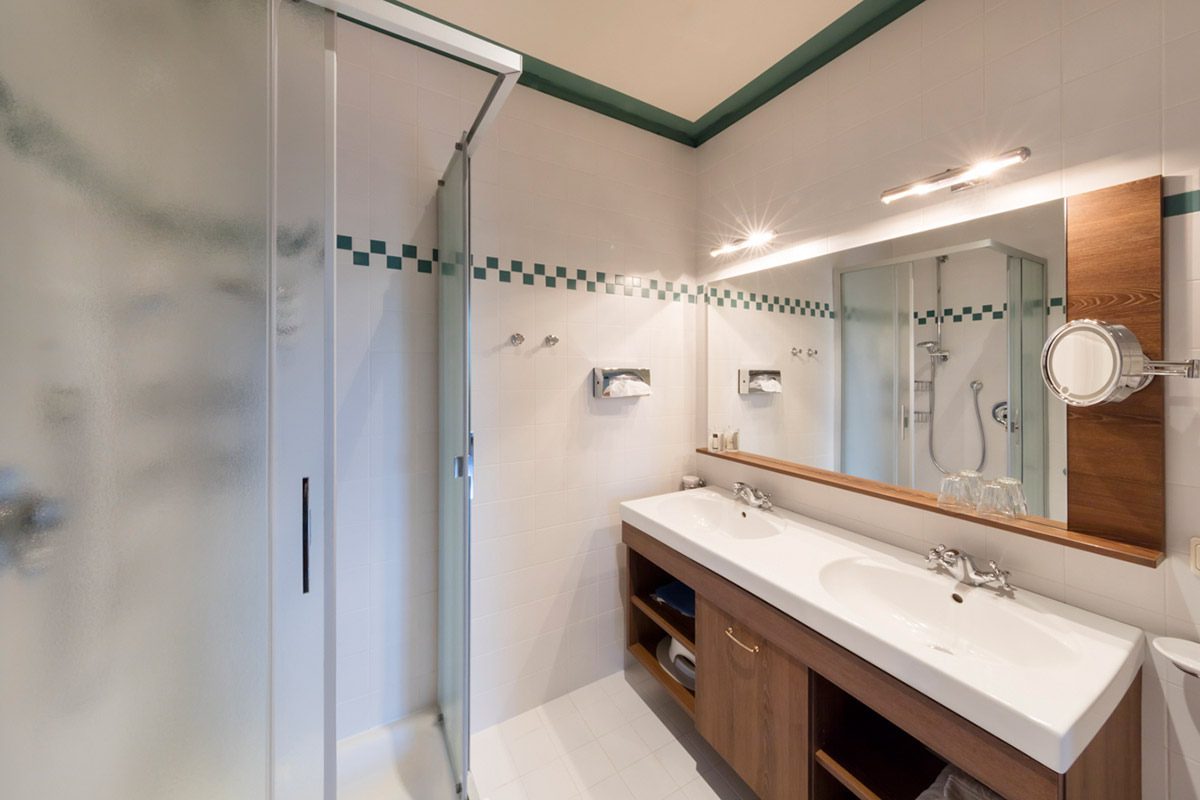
<point x="938" y="365"/>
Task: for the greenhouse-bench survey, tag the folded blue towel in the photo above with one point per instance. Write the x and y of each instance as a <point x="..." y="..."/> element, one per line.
<point x="678" y="596"/>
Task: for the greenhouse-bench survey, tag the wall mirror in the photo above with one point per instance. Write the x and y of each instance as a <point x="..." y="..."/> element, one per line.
<point x="900" y="362"/>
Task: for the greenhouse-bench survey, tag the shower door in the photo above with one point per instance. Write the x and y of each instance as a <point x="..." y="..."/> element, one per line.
<point x="134" y="558"/>
<point x="455" y="465"/>
<point x="875" y="402"/>
<point x="1027" y="438"/>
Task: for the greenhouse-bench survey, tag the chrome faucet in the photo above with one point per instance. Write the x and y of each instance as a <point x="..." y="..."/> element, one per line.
<point x="752" y="497"/>
<point x="962" y="566"/>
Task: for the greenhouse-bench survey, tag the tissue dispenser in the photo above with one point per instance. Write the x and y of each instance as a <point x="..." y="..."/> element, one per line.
<point x="611" y="382"/>
<point x="760" y="381"/>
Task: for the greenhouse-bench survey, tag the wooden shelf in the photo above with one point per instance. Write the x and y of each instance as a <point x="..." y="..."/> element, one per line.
<point x="681" y="694"/>
<point x="673" y="623"/>
<point x="1048" y="530"/>
<point x="885" y="779"/>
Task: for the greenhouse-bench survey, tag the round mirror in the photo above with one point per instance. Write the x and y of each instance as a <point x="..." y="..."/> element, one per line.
<point x="1086" y="363"/>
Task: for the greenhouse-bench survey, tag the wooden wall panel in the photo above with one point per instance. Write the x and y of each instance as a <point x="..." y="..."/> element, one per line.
<point x="1116" y="470"/>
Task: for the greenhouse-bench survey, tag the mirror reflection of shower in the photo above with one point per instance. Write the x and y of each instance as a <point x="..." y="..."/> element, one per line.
<point x="938" y="355"/>
<point x="924" y="343"/>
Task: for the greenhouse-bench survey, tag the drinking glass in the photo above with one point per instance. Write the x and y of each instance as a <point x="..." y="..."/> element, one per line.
<point x="994" y="501"/>
<point x="974" y="483"/>
<point x="1015" y="496"/>
<point x="955" y="493"/>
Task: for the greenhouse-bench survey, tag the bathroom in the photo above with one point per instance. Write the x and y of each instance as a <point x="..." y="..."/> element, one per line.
<point x="371" y="345"/>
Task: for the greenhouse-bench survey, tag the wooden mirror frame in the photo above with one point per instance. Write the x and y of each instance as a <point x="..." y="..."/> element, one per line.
<point x="1116" y="453"/>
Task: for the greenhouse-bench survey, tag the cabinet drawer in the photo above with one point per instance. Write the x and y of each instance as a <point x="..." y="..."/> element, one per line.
<point x="752" y="704"/>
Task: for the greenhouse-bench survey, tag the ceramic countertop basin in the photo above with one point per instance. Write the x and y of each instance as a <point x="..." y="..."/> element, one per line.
<point x="1039" y="674"/>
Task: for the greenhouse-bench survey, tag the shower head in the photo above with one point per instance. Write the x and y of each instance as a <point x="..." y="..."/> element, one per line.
<point x="935" y="350"/>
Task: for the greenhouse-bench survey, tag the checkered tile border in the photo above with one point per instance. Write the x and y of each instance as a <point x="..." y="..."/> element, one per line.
<point x="984" y="312"/>
<point x="527" y="274"/>
<point x="753" y="301"/>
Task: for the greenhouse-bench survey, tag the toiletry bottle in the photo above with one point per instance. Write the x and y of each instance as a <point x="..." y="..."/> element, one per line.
<point x="714" y="443"/>
<point x="732" y="440"/>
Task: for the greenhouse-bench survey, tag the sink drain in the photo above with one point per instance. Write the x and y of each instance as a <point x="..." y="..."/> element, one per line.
<point x="956" y="597"/>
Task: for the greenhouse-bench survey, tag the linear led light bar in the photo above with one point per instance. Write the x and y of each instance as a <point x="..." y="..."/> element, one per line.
<point x="756" y="239"/>
<point x="959" y="177"/>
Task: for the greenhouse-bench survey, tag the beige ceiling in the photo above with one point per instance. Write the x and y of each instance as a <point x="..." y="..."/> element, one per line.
<point x="684" y="56"/>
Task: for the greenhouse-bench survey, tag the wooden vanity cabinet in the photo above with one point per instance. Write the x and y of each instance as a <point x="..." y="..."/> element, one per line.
<point x="752" y="704"/>
<point x="799" y="717"/>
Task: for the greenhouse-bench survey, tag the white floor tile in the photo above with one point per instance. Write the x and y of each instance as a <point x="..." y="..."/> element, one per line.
<point x="619" y="738"/>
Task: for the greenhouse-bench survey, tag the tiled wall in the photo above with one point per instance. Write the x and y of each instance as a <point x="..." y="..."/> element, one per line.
<point x="559" y="189"/>
<point x="1103" y="92"/>
<point x="582" y="228"/>
<point x="399" y="112"/>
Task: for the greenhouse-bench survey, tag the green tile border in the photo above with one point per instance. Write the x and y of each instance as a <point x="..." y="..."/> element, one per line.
<point x="984" y="313"/>
<point x="864" y="19"/>
<point x="1175" y="205"/>
<point x="379" y="253"/>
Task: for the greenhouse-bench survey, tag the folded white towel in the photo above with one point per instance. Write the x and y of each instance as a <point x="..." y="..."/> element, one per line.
<point x="626" y="387"/>
<point x="768" y="385"/>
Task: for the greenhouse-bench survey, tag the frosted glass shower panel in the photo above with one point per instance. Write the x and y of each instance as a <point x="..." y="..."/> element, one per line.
<point x="134" y="315"/>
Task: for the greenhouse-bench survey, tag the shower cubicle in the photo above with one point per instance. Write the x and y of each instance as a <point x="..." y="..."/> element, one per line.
<point x="939" y="367"/>
<point x="166" y="470"/>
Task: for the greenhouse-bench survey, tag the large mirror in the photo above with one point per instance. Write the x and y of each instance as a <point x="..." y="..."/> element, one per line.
<point x="902" y="361"/>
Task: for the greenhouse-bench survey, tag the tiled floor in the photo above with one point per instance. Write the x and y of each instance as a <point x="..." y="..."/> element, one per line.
<point x="620" y="738"/>
<point x="403" y="761"/>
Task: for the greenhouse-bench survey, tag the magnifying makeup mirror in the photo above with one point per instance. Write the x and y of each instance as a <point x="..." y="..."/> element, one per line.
<point x="1087" y="362"/>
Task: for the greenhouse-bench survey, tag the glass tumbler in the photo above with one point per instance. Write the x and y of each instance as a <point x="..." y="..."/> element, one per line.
<point x="994" y="502"/>
<point x="1015" y="496"/>
<point x="954" y="493"/>
<point x="974" y="482"/>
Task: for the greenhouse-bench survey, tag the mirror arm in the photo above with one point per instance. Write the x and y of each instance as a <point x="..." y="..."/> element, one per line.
<point x="1182" y="369"/>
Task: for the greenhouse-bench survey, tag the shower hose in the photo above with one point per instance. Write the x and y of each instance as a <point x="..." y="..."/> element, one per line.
<point x="976" y="388"/>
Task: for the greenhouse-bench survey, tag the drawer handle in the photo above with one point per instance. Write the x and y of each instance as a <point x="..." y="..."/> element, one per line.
<point x="747" y="648"/>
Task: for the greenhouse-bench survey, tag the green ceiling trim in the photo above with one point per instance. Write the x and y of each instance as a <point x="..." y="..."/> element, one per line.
<point x="860" y="22"/>
<point x="581" y="91"/>
<point x="848" y="30"/>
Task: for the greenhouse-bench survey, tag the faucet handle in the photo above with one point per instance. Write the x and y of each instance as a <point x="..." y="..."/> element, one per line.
<point x="935" y="555"/>
<point x="738" y="486"/>
<point x="1001" y="575"/>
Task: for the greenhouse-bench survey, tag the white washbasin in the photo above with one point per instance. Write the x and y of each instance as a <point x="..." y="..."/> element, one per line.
<point x="1039" y="674"/>
<point x="713" y="513"/>
<point x="953" y="619"/>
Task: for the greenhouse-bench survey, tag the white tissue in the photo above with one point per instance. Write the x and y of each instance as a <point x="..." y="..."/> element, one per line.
<point x="626" y="387"/>
<point x="766" y="384"/>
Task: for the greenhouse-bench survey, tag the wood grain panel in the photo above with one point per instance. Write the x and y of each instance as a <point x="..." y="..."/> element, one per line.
<point x="1111" y="766"/>
<point x="1116" y="468"/>
<point x="752" y="707"/>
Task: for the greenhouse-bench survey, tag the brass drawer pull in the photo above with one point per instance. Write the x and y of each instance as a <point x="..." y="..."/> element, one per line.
<point x="747" y="648"/>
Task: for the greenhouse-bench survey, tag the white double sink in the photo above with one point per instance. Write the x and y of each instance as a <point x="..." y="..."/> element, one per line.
<point x="1039" y="674"/>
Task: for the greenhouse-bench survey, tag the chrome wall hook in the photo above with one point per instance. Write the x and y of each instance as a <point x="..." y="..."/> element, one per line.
<point x="516" y="339"/>
<point x="550" y="340"/>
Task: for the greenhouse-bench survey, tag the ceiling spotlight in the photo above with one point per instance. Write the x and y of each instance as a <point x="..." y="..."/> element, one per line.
<point x="756" y="239"/>
<point x="959" y="177"/>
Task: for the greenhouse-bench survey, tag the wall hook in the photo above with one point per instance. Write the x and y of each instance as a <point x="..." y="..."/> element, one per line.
<point x="516" y="339"/>
<point x="550" y="340"/>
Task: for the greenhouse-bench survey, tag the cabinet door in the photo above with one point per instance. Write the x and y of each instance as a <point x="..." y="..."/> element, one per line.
<point x="752" y="705"/>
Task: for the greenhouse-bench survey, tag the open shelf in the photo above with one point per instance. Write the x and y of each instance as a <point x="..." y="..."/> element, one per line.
<point x="685" y="697"/>
<point x="863" y="753"/>
<point x="649" y="621"/>
<point x="672" y="622"/>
